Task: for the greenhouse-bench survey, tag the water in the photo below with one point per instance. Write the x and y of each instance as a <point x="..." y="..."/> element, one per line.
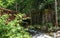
<point x="38" y="34"/>
<point x="41" y="35"/>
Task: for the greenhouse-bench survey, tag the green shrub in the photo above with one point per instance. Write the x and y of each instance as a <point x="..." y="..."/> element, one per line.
<point x="13" y="29"/>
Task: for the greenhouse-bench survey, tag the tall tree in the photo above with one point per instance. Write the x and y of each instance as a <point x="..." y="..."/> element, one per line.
<point x="56" y="13"/>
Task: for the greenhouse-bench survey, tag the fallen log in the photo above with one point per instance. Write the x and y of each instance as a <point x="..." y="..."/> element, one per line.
<point x="8" y="11"/>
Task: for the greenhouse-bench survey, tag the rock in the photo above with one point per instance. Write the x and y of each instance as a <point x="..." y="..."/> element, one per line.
<point x="58" y="34"/>
<point x="42" y="36"/>
<point x="38" y="34"/>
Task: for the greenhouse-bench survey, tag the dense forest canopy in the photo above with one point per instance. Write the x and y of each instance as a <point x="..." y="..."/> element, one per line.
<point x="24" y="6"/>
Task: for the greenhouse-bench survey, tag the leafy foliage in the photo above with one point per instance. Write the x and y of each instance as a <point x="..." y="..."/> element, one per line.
<point x="13" y="29"/>
<point x="24" y="6"/>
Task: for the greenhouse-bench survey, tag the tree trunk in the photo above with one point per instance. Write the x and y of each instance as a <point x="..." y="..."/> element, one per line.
<point x="56" y="14"/>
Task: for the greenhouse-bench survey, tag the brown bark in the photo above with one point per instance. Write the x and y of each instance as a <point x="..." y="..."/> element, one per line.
<point x="8" y="11"/>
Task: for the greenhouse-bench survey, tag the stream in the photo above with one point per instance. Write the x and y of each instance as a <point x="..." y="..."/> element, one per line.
<point x="38" y="34"/>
